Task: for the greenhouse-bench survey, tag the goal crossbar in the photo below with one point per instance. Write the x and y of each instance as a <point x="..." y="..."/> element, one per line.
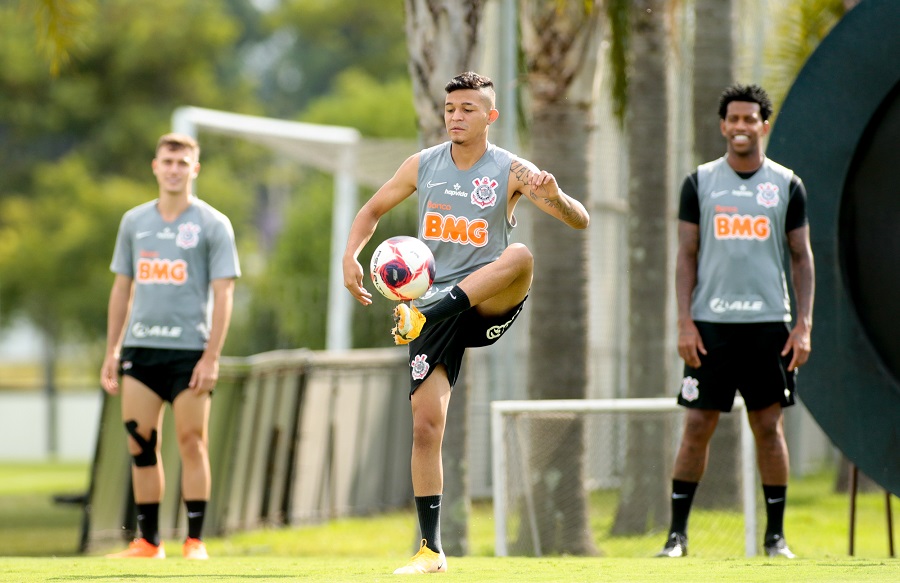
<point x="502" y="410"/>
<point x="330" y="148"/>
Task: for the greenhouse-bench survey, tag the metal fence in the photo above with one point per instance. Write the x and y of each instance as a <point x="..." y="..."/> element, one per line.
<point x="295" y="437"/>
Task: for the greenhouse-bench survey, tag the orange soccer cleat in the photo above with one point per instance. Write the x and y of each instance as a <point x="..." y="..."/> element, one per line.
<point x="140" y="548"/>
<point x="194" y="549"/>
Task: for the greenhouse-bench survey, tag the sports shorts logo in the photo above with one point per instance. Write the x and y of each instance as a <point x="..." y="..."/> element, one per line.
<point x="690" y="389"/>
<point x="419" y="366"/>
<point x="495" y="332"/>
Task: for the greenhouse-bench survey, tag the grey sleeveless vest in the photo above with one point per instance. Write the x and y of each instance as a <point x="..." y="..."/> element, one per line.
<point x="462" y="214"/>
<point x="740" y="271"/>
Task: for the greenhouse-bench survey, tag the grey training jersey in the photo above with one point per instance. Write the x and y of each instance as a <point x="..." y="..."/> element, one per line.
<point x="740" y="271"/>
<point x="172" y="264"/>
<point x="462" y="214"/>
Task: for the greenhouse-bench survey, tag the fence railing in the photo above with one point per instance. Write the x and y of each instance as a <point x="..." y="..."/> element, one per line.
<point x="295" y="437"/>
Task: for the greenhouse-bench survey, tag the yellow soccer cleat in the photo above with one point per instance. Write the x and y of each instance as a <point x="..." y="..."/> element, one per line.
<point x="194" y="549"/>
<point x="409" y="322"/>
<point x="425" y="561"/>
<point x="140" y="548"/>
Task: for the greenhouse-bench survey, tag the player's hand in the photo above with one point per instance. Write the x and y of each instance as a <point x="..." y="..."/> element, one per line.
<point x="205" y="375"/>
<point x="109" y="375"/>
<point x="799" y="344"/>
<point x="353" y="278"/>
<point x="690" y="345"/>
<point x="543" y="184"/>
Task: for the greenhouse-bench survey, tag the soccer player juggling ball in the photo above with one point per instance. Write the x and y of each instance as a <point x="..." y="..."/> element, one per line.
<point x="467" y="192"/>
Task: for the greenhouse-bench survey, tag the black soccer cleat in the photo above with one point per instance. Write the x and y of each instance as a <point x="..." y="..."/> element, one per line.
<point x="776" y="546"/>
<point x="675" y="547"/>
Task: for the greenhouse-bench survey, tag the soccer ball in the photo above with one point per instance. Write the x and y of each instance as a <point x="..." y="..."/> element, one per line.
<point x="402" y="268"/>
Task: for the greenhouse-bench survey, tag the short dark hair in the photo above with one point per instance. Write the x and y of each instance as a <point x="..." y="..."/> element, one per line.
<point x="175" y="141"/>
<point x="749" y="93"/>
<point x="469" y="80"/>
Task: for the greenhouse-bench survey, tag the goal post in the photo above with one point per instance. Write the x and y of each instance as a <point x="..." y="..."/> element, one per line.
<point x="330" y="148"/>
<point x="509" y="450"/>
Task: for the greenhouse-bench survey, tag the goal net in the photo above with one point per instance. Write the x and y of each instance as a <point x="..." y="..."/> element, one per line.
<point x="587" y="475"/>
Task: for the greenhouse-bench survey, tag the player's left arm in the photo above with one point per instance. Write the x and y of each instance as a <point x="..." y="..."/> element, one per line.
<point x="540" y="187"/>
<point x="803" y="278"/>
<point x="802" y="274"/>
<point x="206" y="372"/>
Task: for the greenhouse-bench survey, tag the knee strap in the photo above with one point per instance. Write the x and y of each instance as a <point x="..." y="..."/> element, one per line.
<point x="147" y="457"/>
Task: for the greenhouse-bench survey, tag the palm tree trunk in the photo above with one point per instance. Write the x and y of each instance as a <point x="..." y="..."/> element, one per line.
<point x="444" y="39"/>
<point x="559" y="42"/>
<point x="642" y="500"/>
<point x="558" y="348"/>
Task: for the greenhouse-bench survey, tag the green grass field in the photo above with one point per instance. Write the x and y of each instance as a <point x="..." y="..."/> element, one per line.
<point x="38" y="540"/>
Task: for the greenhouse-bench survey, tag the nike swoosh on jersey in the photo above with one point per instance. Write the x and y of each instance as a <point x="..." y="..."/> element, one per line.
<point x="143" y="234"/>
<point x="718" y="193"/>
<point x="431" y="184"/>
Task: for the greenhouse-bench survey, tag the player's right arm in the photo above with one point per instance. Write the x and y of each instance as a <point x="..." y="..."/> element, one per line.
<point x="401" y="185"/>
<point x="689" y="341"/>
<point x="117" y="313"/>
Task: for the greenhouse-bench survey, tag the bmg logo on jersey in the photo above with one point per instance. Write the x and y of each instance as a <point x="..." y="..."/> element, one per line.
<point x="742" y="227"/>
<point x="162" y="271"/>
<point x="438" y="227"/>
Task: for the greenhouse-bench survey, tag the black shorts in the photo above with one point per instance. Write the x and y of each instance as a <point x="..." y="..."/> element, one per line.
<point x="446" y="342"/>
<point x="165" y="371"/>
<point x="740" y="357"/>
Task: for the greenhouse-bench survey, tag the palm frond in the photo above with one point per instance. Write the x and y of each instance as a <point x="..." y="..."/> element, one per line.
<point x="799" y="28"/>
<point x="58" y="24"/>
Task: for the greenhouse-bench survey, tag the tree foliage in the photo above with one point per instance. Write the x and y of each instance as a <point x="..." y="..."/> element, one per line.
<point x="121" y="69"/>
<point x="76" y="145"/>
<point x="800" y="25"/>
<point x="312" y="42"/>
<point x="55" y="246"/>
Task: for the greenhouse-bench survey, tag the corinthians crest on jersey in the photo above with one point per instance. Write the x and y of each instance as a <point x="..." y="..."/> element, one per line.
<point x="767" y="194"/>
<point x="485" y="193"/>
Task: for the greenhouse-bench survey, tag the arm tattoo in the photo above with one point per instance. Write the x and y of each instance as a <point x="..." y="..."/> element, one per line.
<point x="522" y="174"/>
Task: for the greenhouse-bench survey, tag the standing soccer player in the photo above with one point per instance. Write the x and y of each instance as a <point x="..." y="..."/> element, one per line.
<point x="733" y="307"/>
<point x="172" y="254"/>
<point x="467" y="192"/>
